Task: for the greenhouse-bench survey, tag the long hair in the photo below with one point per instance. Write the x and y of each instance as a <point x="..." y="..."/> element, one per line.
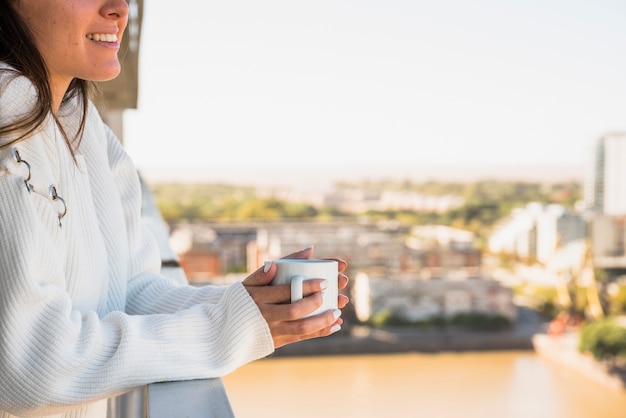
<point x="19" y="52"/>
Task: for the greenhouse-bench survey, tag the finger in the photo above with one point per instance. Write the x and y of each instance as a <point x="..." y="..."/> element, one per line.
<point x="282" y="293"/>
<point x="310" y="325"/>
<point x="336" y="326"/>
<point x="324" y="332"/>
<point x="291" y="311"/>
<point x="342" y="301"/>
<point x="302" y="334"/>
<point x="277" y="294"/>
<point x="262" y="276"/>
<point x="341" y="264"/>
<point x="313" y="286"/>
<point x="342" y="281"/>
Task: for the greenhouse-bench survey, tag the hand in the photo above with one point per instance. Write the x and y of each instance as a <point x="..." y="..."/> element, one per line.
<point x="285" y="319"/>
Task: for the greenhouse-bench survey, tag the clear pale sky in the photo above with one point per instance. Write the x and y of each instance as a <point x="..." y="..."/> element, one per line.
<point x="227" y="85"/>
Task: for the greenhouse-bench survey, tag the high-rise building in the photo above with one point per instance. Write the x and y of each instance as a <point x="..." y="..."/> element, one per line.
<point x="537" y="232"/>
<point x="606" y="186"/>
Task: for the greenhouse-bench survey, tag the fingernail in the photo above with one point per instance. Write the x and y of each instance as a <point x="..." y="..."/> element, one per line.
<point x="324" y="284"/>
<point x="310" y="247"/>
<point x="335" y="328"/>
<point x="267" y="266"/>
<point x="337" y="313"/>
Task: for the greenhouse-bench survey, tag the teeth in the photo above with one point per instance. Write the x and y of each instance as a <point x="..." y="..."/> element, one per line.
<point x="102" y="37"/>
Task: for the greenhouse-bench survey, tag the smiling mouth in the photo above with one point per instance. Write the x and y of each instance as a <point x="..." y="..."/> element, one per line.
<point x="102" y="37"/>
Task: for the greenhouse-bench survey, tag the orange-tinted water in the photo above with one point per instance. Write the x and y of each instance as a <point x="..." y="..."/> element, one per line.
<point x="448" y="385"/>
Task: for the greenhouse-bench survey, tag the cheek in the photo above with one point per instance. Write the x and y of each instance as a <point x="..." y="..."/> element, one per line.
<point x="47" y="34"/>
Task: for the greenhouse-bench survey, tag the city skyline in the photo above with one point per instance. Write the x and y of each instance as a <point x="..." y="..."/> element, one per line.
<point x="321" y="178"/>
<point x="249" y="88"/>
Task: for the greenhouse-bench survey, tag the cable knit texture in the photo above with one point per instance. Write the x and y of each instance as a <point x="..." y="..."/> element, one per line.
<point x="84" y="312"/>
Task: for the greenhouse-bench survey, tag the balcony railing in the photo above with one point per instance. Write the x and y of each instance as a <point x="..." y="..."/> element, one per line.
<point x="205" y="398"/>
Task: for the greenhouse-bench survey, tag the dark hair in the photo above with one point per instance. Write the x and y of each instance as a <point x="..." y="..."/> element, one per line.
<point x="19" y="52"/>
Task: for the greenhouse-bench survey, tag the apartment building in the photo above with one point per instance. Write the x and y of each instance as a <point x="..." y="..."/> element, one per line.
<point x="536" y="232"/>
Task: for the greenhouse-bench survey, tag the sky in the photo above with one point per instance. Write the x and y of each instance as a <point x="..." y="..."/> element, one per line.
<point x="247" y="88"/>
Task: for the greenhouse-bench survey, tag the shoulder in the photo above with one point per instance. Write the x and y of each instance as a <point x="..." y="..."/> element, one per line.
<point x="18" y="95"/>
<point x="14" y="81"/>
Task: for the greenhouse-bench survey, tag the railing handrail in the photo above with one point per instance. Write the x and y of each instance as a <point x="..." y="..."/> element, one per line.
<point x="205" y="398"/>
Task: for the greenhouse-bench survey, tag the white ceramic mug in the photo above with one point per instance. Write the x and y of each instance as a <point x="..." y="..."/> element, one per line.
<point x="297" y="271"/>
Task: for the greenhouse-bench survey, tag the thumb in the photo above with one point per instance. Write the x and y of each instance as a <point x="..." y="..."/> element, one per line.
<point x="265" y="275"/>
<point x="262" y="276"/>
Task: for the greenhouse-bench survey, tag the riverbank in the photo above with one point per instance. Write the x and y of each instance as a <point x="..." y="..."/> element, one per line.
<point x="563" y="350"/>
<point x="359" y="339"/>
<point x="366" y="340"/>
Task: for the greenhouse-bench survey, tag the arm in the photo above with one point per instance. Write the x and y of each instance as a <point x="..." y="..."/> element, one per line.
<point x="54" y="357"/>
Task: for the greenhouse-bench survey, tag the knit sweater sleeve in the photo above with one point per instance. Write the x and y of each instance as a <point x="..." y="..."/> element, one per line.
<point x="148" y="292"/>
<point x="56" y="357"/>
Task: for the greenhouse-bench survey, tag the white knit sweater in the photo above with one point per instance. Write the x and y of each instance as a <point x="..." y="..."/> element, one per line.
<point x="84" y="312"/>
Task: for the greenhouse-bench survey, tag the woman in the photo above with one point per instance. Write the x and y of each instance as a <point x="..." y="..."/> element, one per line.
<point x="84" y="312"/>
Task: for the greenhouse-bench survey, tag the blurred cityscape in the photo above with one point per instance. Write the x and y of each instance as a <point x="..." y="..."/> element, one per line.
<point x="424" y="271"/>
<point x="541" y="270"/>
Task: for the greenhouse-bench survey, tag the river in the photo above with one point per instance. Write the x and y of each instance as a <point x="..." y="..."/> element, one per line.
<point x="507" y="384"/>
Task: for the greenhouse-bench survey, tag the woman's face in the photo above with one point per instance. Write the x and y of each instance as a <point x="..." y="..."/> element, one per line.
<point x="77" y="38"/>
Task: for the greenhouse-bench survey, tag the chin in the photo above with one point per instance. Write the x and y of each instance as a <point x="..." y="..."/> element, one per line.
<point x="105" y="73"/>
<point x="109" y="76"/>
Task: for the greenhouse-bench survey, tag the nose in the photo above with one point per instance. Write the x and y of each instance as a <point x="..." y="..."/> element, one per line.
<point x="115" y="8"/>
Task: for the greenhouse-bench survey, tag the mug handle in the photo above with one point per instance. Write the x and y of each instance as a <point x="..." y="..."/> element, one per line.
<point x="296" y="288"/>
